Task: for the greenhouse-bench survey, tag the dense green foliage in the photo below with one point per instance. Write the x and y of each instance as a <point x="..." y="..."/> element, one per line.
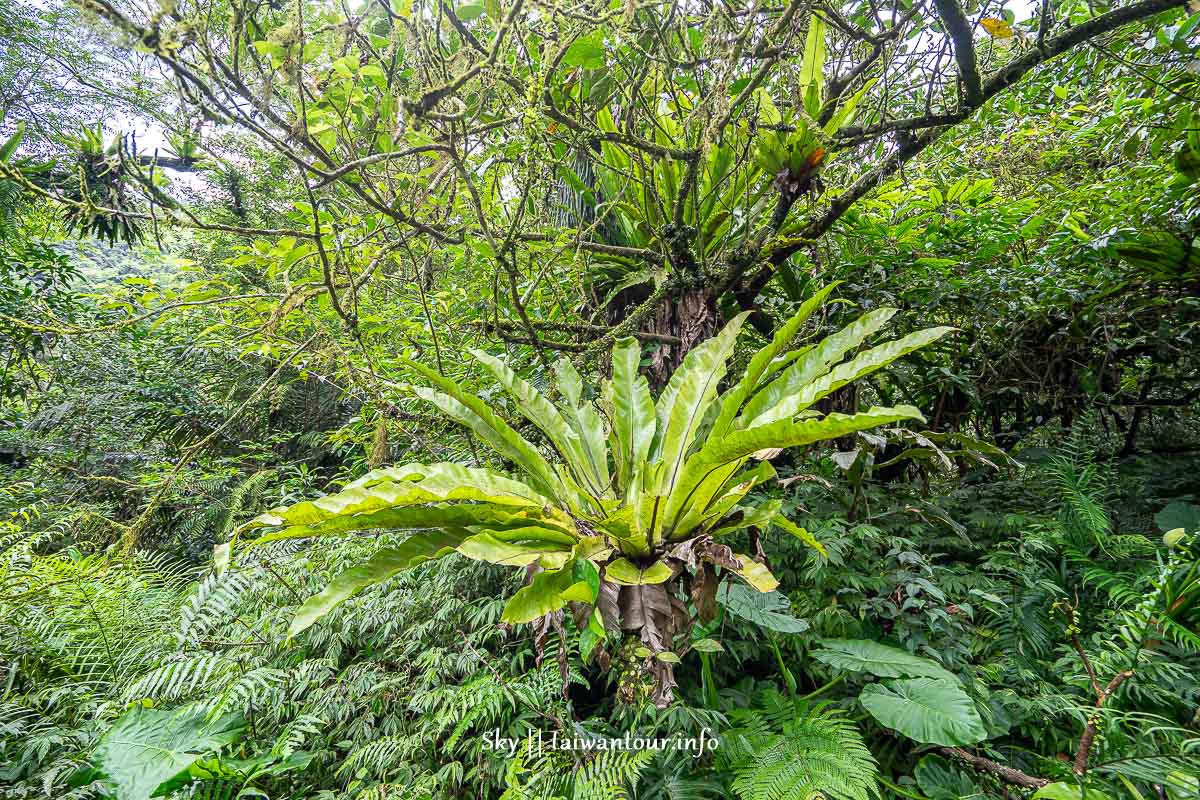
<point x="830" y="373"/>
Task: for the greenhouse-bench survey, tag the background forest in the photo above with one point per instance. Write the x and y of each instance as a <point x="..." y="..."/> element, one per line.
<point x="378" y="378"/>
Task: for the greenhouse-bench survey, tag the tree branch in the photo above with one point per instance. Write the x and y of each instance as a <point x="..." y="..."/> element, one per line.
<point x="959" y="31"/>
<point x="1089" y="731"/>
<point x="1007" y="774"/>
<point x="911" y="146"/>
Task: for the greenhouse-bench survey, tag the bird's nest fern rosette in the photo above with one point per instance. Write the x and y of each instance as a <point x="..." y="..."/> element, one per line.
<point x="627" y="523"/>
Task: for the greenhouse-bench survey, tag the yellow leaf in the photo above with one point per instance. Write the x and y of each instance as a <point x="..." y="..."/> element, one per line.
<point x="756" y="574"/>
<point x="998" y="28"/>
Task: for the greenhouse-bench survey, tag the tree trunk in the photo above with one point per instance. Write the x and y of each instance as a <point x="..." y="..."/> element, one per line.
<point x="691" y="317"/>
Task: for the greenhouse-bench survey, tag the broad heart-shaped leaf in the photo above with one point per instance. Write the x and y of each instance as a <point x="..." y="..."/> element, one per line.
<point x="881" y="660"/>
<point x="542" y="596"/>
<point x="1178" y="514"/>
<point x="770" y="610"/>
<point x="418" y="548"/>
<point x="147" y="747"/>
<point x="927" y="710"/>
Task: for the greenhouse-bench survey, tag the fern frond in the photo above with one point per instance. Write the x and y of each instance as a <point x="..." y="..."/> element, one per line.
<point x="814" y="755"/>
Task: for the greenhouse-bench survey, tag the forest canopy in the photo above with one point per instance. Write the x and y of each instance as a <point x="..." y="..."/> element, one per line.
<point x="424" y="398"/>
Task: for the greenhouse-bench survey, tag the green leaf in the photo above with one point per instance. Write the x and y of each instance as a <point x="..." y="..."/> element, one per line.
<point x="473" y="413"/>
<point x="146" y="748"/>
<point x="411" y="484"/>
<point x="626" y="573"/>
<point x="768" y="113"/>
<point x="682" y="406"/>
<point x="800" y="755"/>
<point x="631" y="412"/>
<point x="800" y="533"/>
<point x="587" y="573"/>
<point x="543" y="595"/>
<point x="927" y="710"/>
<point x="588" y="639"/>
<point x="940" y="780"/>
<point x="1178" y="514"/>
<point x="786" y="433"/>
<point x="770" y="610"/>
<point x="12" y="143"/>
<point x="416" y="549"/>
<point x="755" y="574"/>
<point x="488" y="547"/>
<point x="417" y="514"/>
<point x="733" y="399"/>
<point x="221" y="556"/>
<point x="845" y="112"/>
<point x="866" y="362"/>
<point x="586" y="52"/>
<point x="718" y="494"/>
<point x="469" y="12"/>
<point x="585" y="421"/>
<point x="1068" y="791"/>
<point x="708" y="646"/>
<point x="541" y="412"/>
<point x="758" y="516"/>
<point x="580" y="592"/>
<point x="708" y="469"/>
<point x="812" y="68"/>
<point x="453" y="482"/>
<point x="813" y="364"/>
<point x="881" y="660"/>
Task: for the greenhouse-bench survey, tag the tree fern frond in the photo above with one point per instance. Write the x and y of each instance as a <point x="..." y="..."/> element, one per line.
<point x="611" y="774"/>
<point x="814" y="755"/>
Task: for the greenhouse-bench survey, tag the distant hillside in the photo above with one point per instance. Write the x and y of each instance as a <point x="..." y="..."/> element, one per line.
<point x="102" y="264"/>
